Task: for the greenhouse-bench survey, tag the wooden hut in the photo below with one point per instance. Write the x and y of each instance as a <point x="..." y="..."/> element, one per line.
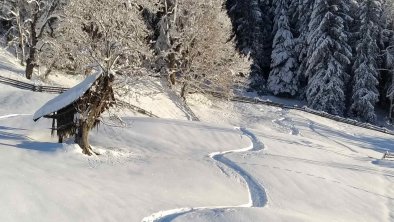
<point x="78" y="110"/>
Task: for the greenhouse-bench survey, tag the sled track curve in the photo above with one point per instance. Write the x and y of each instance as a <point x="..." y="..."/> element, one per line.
<point x="13" y="115"/>
<point x="257" y="194"/>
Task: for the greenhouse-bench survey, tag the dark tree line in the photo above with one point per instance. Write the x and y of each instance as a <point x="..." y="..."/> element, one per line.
<point x="335" y="54"/>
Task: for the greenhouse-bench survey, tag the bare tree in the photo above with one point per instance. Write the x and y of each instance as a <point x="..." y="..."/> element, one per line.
<point x="40" y="13"/>
<point x="109" y="35"/>
<point x="30" y="19"/>
<point x="195" y="41"/>
<point x="14" y="12"/>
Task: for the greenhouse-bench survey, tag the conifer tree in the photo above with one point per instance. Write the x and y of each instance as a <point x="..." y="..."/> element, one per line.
<point x="300" y="13"/>
<point x="365" y="93"/>
<point x="283" y="79"/>
<point x="329" y="56"/>
<point x="265" y="37"/>
<point x="252" y="27"/>
<point x="386" y="43"/>
<point x="247" y="23"/>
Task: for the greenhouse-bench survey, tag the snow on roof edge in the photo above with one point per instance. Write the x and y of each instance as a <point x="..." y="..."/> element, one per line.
<point x="67" y="97"/>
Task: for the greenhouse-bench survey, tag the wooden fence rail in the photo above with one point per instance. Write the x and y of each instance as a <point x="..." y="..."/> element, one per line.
<point x="303" y="109"/>
<point x="58" y="90"/>
<point x="32" y="87"/>
<point x="388" y="155"/>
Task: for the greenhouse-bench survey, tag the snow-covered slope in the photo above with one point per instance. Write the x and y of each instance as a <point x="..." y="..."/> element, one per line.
<point x="311" y="169"/>
<point x="10" y="68"/>
<point x="145" y="167"/>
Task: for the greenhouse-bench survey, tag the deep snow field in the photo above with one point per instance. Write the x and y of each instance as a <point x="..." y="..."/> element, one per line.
<point x="240" y="163"/>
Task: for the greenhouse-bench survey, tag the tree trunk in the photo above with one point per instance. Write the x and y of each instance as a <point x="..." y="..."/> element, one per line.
<point x="172" y="79"/>
<point x="391" y="110"/>
<point x="82" y="138"/>
<point x="171" y="67"/>
<point x="29" y="68"/>
<point x="22" y="59"/>
<point x="184" y="91"/>
<point x="21" y="43"/>
<point x="31" y="61"/>
<point x="49" y="70"/>
<point x="95" y="105"/>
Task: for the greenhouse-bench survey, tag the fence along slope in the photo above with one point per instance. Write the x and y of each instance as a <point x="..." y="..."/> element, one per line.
<point x="51" y="89"/>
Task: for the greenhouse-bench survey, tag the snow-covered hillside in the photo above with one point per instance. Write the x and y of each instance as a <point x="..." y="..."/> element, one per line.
<point x="279" y="166"/>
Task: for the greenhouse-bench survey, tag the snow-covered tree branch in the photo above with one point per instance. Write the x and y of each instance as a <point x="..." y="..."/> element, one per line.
<point x="197" y="46"/>
<point x="30" y="18"/>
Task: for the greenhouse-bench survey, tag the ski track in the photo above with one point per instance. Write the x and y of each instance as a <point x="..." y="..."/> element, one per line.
<point x="286" y="123"/>
<point x="311" y="125"/>
<point x="13" y="115"/>
<point x="257" y="194"/>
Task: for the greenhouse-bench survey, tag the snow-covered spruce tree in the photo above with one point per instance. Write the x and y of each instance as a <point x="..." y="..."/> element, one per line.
<point x="386" y="86"/>
<point x="247" y="21"/>
<point x="300" y="12"/>
<point x="365" y="93"/>
<point x="203" y="58"/>
<point x="329" y="56"/>
<point x="390" y="90"/>
<point x="30" y="19"/>
<point x="252" y="28"/>
<point x="283" y="79"/>
<point x="264" y="58"/>
<point x="109" y="35"/>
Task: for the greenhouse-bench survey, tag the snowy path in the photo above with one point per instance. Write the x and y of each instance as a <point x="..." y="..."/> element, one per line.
<point x="286" y="123"/>
<point x="257" y="194"/>
<point x="13" y="115"/>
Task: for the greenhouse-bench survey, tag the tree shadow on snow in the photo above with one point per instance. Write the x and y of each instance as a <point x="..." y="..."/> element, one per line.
<point x="39" y="146"/>
<point x="10" y="128"/>
<point x="379" y="144"/>
<point x="12" y="69"/>
<point x="11" y="136"/>
<point x="24" y="142"/>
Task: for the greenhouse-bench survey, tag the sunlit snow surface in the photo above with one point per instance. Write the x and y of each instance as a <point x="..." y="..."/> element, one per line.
<point x="311" y="169"/>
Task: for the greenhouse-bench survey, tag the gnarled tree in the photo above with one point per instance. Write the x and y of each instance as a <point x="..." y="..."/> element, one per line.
<point x="108" y="35"/>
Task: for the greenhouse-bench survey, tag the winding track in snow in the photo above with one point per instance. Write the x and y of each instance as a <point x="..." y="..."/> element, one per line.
<point x="311" y="125"/>
<point x="286" y="122"/>
<point x="257" y="194"/>
<point x="13" y="115"/>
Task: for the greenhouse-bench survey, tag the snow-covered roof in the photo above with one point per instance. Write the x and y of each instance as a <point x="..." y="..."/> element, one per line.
<point x="67" y="97"/>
